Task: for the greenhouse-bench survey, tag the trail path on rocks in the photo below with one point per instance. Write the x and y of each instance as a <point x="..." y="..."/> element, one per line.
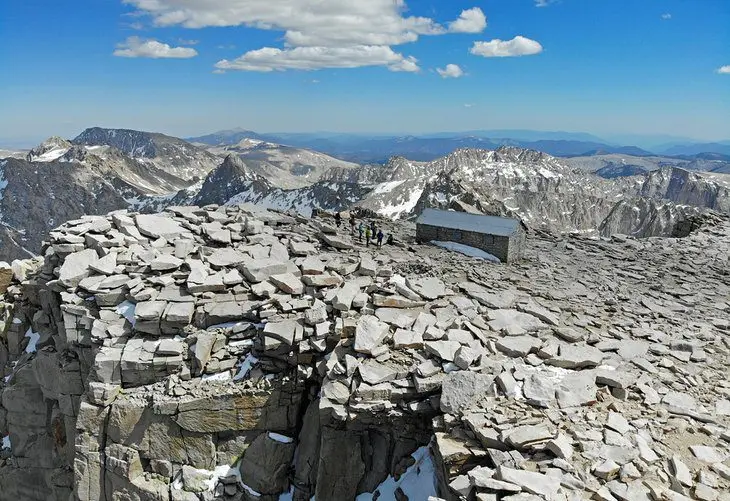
<point x="235" y="353"/>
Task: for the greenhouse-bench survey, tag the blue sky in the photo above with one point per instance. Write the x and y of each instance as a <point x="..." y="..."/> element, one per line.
<point x="609" y="66"/>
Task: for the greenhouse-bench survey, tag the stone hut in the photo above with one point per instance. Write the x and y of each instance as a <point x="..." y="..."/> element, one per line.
<point x="499" y="236"/>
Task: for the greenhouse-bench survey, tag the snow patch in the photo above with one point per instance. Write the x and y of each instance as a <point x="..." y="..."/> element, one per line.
<point x="50" y="156"/>
<point x="34" y="337"/>
<point x="221" y="376"/>
<point x="408" y="205"/>
<point x="386" y="187"/>
<point x="126" y="309"/>
<point x="418" y="482"/>
<point x="6" y="443"/>
<point x="245" y="367"/>
<point x="280" y="438"/>
<point x="468" y="250"/>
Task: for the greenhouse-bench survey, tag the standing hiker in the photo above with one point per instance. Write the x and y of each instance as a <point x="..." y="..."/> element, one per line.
<point x="380" y="238"/>
<point x="360" y="229"/>
<point x="367" y="236"/>
<point x="352" y="223"/>
<point x="338" y="219"/>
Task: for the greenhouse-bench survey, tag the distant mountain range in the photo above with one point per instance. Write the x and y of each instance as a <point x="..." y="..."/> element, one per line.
<point x="363" y="148"/>
<point x="605" y="190"/>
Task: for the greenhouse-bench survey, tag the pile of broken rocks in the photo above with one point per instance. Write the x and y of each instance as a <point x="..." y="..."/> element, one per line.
<point x="238" y="353"/>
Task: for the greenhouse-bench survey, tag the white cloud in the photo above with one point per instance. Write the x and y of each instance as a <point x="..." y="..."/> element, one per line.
<point x="468" y="105"/>
<point x="470" y="21"/>
<point x="451" y="71"/>
<point x="518" y="46"/>
<point x="544" y="3"/>
<point x="360" y="32"/>
<point x="724" y="70"/>
<point x="666" y="16"/>
<point x="305" y="22"/>
<point x="139" y="47"/>
<point x="312" y="58"/>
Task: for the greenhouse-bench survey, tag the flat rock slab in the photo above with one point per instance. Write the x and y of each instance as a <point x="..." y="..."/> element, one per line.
<point x="445" y="350"/>
<point x="576" y="389"/>
<point x="398" y="317"/>
<point x="576" y="356"/>
<point x="518" y="346"/>
<point x="77" y="266"/>
<point x="158" y="226"/>
<point x="334" y="241"/>
<point x="180" y="313"/>
<point x="149" y="310"/>
<point x="382" y="300"/>
<point x="523" y="436"/>
<point x="463" y="390"/>
<point x="373" y="372"/>
<point x="510" y="319"/>
<point x="287" y="282"/>
<point x="226" y="257"/>
<point x="370" y="334"/>
<point x="282" y="331"/>
<point x="489" y="298"/>
<point x="259" y="270"/>
<point x="428" y="288"/>
<point x="532" y="482"/>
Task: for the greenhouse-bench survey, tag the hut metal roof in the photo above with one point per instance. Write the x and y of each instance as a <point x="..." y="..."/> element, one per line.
<point x="488" y="225"/>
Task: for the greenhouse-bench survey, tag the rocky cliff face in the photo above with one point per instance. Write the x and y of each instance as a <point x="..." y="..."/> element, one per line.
<point x="64" y="183"/>
<point x="236" y="353"/>
<point x="175" y="156"/>
<point x="287" y="167"/>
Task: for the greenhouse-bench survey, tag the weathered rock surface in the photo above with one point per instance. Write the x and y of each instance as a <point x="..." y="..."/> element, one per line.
<point x="188" y="355"/>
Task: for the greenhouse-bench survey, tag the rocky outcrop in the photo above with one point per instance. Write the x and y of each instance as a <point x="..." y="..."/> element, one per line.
<point x="229" y="353"/>
<point x="173" y="155"/>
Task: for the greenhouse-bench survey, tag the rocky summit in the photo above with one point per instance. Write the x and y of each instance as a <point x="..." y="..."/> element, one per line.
<point x="235" y="353"/>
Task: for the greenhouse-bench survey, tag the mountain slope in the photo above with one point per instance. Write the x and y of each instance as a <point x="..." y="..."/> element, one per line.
<point x="173" y="155"/>
<point x="286" y="166"/>
<point x="226" y="137"/>
<point x="696" y="148"/>
<point x="37" y="196"/>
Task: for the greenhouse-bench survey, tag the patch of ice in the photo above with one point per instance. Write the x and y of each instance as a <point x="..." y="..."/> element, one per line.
<point x="221" y="376"/>
<point x="224" y="471"/>
<point x="16" y="321"/>
<point x="50" y="156"/>
<point x="250" y="490"/>
<point x="386" y="187"/>
<point x="6" y="443"/>
<point x="418" y="482"/>
<point x="226" y="325"/>
<point x="396" y="211"/>
<point x="245" y="367"/>
<point x="126" y="309"/>
<point x="467" y="250"/>
<point x="34" y="337"/>
<point x="280" y="438"/>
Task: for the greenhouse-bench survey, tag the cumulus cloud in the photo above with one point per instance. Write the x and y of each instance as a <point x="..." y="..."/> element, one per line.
<point x="724" y="70"/>
<point x="666" y="16"/>
<point x="518" y="46"/>
<point x="139" y="47"/>
<point x="470" y="21"/>
<point x="312" y="58"/>
<point x="451" y="71"/>
<point x="362" y="32"/>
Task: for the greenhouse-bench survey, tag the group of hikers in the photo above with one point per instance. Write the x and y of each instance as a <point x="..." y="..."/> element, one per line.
<point x="371" y="232"/>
